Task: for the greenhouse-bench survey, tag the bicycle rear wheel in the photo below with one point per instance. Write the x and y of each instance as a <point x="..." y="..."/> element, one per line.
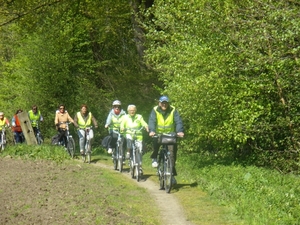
<point x="71" y="147"/>
<point x="168" y="174"/>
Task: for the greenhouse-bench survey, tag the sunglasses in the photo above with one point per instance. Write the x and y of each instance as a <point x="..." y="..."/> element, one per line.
<point x="117" y="107"/>
<point x="61" y="108"/>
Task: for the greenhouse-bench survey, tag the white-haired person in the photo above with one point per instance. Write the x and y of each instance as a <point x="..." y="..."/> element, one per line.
<point x="133" y="124"/>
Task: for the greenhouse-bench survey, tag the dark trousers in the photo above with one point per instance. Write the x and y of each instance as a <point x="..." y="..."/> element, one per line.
<point x="62" y="136"/>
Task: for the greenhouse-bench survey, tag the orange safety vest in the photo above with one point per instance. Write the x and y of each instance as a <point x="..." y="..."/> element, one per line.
<point x="17" y="128"/>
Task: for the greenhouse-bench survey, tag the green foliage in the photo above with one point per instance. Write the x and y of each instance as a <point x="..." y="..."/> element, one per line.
<point x="256" y="195"/>
<point x="230" y="68"/>
<point x="38" y="152"/>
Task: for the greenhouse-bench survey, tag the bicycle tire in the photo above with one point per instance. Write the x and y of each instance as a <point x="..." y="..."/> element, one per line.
<point x="138" y="165"/>
<point x="115" y="158"/>
<point x="132" y="168"/>
<point x="168" y="174"/>
<point x="120" y="159"/>
<point x="71" y="147"/>
<point x="88" y="156"/>
<point x="160" y="170"/>
<point x="39" y="140"/>
<point x="2" y="146"/>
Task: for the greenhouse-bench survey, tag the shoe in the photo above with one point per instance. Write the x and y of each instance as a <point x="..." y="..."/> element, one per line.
<point x="154" y="163"/>
<point x="127" y="155"/>
<point x="81" y="152"/>
<point x="174" y="182"/>
<point x="109" y="151"/>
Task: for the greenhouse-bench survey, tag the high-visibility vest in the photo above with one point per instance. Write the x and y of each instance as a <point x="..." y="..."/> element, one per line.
<point x="116" y="121"/>
<point x="34" y="118"/>
<point x="2" y="123"/>
<point x="165" y="125"/>
<point x="17" y="128"/>
<point x="82" y="123"/>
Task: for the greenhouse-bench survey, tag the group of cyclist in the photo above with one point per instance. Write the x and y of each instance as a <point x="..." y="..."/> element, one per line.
<point x="82" y="120"/>
<point x="34" y="116"/>
<point x="164" y="118"/>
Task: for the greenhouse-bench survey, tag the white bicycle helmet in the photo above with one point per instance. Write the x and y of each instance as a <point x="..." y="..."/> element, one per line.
<point x="116" y="102"/>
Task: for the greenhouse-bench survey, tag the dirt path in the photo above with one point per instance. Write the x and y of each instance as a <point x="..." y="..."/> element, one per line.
<point x="168" y="204"/>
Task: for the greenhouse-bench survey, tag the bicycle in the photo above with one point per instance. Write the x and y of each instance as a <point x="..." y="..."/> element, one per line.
<point x="21" y="138"/>
<point x="3" y="139"/>
<point x="165" y="160"/>
<point x="136" y="157"/>
<point x="70" y="141"/>
<point x="118" y="152"/>
<point x="37" y="132"/>
<point x="88" y="152"/>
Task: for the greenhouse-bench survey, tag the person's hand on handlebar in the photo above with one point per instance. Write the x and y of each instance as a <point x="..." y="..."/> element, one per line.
<point x="152" y="133"/>
<point x="180" y="134"/>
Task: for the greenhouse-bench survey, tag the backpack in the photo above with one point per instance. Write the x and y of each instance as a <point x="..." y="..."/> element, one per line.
<point x="55" y="139"/>
<point x="105" y="142"/>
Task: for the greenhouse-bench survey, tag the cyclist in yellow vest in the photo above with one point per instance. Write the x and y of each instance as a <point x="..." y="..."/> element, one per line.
<point x="132" y="123"/>
<point x="35" y="117"/>
<point x="82" y="120"/>
<point x="113" y="121"/>
<point x="3" y="122"/>
<point x="164" y="118"/>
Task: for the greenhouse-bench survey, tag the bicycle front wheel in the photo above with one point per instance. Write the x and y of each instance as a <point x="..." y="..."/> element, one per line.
<point x="120" y="159"/>
<point x="160" y="171"/>
<point x="39" y="139"/>
<point x="138" y="166"/>
<point x="168" y="174"/>
<point x="71" y="147"/>
<point x="132" y="169"/>
<point x="115" y="158"/>
<point x="88" y="156"/>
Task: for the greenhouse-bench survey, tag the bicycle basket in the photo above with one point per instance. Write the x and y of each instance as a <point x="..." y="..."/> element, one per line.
<point x="167" y="139"/>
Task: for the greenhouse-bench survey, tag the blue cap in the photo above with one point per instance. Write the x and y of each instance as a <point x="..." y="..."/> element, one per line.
<point x="164" y="99"/>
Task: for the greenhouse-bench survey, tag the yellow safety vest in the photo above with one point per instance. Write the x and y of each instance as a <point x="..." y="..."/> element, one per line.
<point x="2" y="123"/>
<point x="34" y="118"/>
<point x="116" y="121"/>
<point x="83" y="124"/>
<point x="165" y="125"/>
<point x="134" y="125"/>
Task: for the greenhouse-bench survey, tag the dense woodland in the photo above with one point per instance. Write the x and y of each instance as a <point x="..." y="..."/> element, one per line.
<point x="230" y="67"/>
